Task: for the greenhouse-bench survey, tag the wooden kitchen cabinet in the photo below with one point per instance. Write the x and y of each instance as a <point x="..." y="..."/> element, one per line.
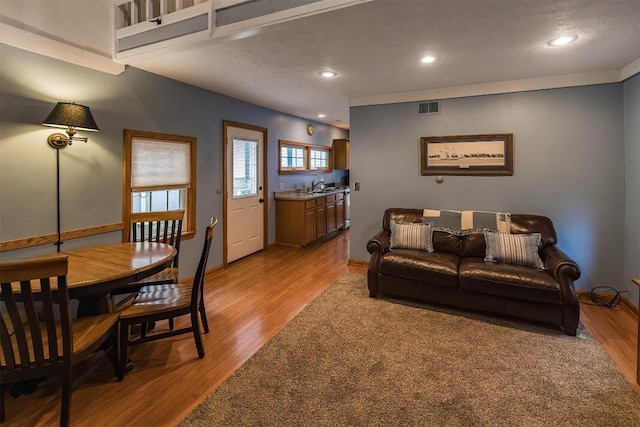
<point x="331" y="213"/>
<point x="340" y="212"/>
<point x="301" y="222"/>
<point x="341" y="154"/>
<point x="321" y="218"/>
<point x="310" y="233"/>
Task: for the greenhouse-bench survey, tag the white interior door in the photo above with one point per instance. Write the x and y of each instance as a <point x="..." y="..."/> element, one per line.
<point x="244" y="192"/>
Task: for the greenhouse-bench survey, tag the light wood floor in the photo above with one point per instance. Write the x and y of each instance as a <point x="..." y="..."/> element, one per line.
<point x="247" y="304"/>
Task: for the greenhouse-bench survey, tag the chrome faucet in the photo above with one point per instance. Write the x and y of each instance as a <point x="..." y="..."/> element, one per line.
<point x="314" y="184"/>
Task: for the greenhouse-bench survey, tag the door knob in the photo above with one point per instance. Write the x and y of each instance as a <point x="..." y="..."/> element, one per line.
<point x="261" y="200"/>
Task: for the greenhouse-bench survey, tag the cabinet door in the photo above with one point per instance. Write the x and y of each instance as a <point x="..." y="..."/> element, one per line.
<point x="331" y="217"/>
<point x="310" y="225"/>
<point x="321" y="221"/>
<point x="341" y="153"/>
<point x="340" y="213"/>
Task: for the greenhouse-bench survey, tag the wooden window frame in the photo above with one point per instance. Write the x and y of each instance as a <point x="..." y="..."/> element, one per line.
<point x="329" y="166"/>
<point x="189" y="222"/>
<point x="307" y="157"/>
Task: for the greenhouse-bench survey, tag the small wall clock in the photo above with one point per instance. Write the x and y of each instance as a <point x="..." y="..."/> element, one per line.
<point x="310" y="129"/>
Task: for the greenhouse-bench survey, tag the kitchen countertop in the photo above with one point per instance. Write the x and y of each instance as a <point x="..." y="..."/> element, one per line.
<point x="300" y="195"/>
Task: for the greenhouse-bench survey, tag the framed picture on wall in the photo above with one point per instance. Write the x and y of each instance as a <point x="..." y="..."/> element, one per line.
<point x="467" y="154"/>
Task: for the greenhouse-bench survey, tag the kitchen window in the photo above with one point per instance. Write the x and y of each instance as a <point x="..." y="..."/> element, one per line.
<point x="293" y="156"/>
<point x="319" y="158"/>
<point x="298" y="157"/>
<point x="159" y="175"/>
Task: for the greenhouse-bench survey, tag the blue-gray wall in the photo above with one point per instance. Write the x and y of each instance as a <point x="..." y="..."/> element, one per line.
<point x="631" y="89"/>
<point x="91" y="173"/>
<point x="569" y="165"/>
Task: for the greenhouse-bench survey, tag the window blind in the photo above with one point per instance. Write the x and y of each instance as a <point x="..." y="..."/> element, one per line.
<point x="245" y="167"/>
<point x="157" y="164"/>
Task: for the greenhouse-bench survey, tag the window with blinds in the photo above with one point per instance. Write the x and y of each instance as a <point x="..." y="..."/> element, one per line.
<point x="245" y="168"/>
<point x="160" y="175"/>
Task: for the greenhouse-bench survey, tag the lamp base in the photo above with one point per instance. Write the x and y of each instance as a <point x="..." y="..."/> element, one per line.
<point x="58" y="140"/>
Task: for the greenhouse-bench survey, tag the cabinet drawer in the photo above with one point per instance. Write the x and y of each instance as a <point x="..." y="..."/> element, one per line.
<point x="320" y="201"/>
<point x="309" y="204"/>
<point x="331" y="198"/>
<point x="339" y="196"/>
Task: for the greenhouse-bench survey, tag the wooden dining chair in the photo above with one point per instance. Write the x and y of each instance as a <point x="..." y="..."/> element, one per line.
<point x="37" y="333"/>
<point x="167" y="302"/>
<point x="160" y="227"/>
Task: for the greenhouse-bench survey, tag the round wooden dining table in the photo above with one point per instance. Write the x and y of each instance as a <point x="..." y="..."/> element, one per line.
<point x="94" y="271"/>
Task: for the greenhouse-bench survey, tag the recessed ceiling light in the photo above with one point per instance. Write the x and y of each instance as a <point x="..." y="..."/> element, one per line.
<point x="322" y="116"/>
<point x="428" y="59"/>
<point x="561" y="41"/>
<point x="328" y="74"/>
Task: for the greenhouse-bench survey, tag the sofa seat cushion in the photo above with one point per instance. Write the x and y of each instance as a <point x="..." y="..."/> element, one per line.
<point x="508" y="280"/>
<point x="429" y="267"/>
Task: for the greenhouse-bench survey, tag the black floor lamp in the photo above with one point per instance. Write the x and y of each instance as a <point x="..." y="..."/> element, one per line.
<point x="72" y="117"/>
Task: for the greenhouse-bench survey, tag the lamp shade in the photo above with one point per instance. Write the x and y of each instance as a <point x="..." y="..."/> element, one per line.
<point x="70" y="114"/>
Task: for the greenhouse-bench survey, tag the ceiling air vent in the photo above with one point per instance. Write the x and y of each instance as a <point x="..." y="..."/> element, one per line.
<point x="429" y="107"/>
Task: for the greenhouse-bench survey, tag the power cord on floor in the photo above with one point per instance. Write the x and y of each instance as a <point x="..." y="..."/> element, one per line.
<point x="603" y="296"/>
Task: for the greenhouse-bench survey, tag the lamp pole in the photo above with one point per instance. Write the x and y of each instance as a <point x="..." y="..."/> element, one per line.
<point x="59" y="141"/>
<point x="59" y="241"/>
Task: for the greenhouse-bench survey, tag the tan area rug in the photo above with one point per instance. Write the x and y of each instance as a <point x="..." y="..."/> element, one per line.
<point x="349" y="360"/>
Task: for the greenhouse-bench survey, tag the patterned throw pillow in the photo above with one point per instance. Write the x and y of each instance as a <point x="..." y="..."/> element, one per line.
<point x="409" y="235"/>
<point x="521" y="249"/>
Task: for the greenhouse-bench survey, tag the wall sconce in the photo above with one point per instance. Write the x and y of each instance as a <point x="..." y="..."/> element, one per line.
<point x="72" y="117"/>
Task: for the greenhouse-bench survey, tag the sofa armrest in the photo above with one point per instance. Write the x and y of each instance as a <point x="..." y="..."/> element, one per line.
<point x="379" y="242"/>
<point x="558" y="263"/>
<point x="565" y="271"/>
<point x="377" y="246"/>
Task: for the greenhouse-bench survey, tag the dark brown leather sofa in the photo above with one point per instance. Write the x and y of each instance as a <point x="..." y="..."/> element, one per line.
<point x="456" y="274"/>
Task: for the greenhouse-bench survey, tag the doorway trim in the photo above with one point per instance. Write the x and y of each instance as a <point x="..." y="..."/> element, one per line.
<point x="265" y="174"/>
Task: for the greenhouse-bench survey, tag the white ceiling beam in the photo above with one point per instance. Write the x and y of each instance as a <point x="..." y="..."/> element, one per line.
<point x="630" y="69"/>
<point x="540" y="83"/>
<point x="31" y="42"/>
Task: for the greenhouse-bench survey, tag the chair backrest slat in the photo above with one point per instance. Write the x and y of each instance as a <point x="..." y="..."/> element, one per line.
<point x="34" y="326"/>
<point x="6" y="358"/>
<point x="49" y="319"/>
<point x="12" y="310"/>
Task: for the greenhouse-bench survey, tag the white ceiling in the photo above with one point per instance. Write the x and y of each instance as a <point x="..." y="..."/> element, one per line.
<point x="482" y="46"/>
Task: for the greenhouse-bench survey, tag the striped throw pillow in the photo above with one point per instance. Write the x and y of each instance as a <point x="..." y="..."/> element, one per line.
<point x="409" y="235"/>
<point x="521" y="249"/>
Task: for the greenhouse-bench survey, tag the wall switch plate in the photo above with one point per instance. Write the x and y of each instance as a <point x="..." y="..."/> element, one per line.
<point x="282" y="185"/>
<point x="356" y="186"/>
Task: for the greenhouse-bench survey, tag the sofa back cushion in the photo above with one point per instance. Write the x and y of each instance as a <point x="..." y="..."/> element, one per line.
<point x="527" y="224"/>
<point x="445" y="242"/>
<point x="473" y="245"/>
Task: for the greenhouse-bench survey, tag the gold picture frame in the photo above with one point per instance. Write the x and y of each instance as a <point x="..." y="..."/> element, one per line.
<point x="490" y="154"/>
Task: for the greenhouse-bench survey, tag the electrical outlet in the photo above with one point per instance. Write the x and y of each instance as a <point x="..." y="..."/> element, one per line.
<point x="321" y="179"/>
<point x="218" y="190"/>
<point x="282" y="185"/>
